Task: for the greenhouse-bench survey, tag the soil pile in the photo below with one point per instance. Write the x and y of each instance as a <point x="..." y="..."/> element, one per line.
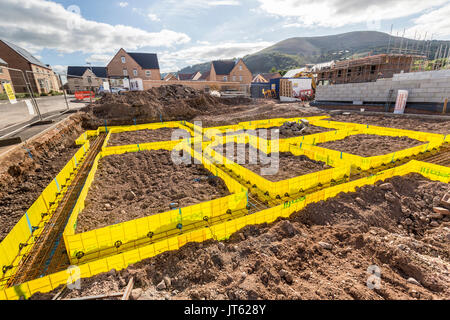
<point x="322" y="252"/>
<point x="367" y="145"/>
<point x="166" y="103"/>
<point x="140" y="184"/>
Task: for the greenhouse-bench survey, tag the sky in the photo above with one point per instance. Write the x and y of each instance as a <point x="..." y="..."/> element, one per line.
<point x="183" y="33"/>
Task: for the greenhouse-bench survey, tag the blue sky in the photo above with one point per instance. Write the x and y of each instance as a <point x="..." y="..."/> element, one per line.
<point x="182" y="33"/>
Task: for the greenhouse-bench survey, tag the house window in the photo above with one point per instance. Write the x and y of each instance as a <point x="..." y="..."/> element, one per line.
<point x="123" y="60"/>
<point x="240" y="68"/>
<point x="240" y="78"/>
<point x="234" y="78"/>
<point x="225" y="78"/>
<point x="373" y="69"/>
<point x="135" y="72"/>
<point x="125" y="72"/>
<point x="1" y="70"/>
<point x="148" y="73"/>
<point x="339" y="73"/>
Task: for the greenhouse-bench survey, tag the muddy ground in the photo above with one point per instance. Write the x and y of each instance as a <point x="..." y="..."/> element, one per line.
<point x="271" y="133"/>
<point x="143" y="136"/>
<point x="366" y="145"/>
<point x="24" y="177"/>
<point x="140" y="184"/>
<point x="322" y="252"/>
<point x="424" y="125"/>
<point x="285" y="164"/>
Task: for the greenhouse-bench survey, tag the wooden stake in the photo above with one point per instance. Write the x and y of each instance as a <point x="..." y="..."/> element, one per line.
<point x="444" y="110"/>
<point x="127" y="293"/>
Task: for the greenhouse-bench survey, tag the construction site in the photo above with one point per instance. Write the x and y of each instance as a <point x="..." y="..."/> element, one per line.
<point x="357" y="208"/>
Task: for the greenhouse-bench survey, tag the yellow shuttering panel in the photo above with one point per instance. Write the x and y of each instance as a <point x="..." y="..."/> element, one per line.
<point x="90" y="243"/>
<point x="220" y="231"/>
<point x="31" y="223"/>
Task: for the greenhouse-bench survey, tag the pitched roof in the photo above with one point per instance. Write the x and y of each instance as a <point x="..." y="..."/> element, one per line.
<point x="205" y="75"/>
<point x="25" y="54"/>
<point x="269" y="76"/>
<point x="2" y="61"/>
<point x="79" y="71"/>
<point x="146" y="60"/>
<point x="223" y="67"/>
<point x="185" y="76"/>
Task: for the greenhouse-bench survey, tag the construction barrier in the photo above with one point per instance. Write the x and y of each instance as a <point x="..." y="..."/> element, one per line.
<point x="20" y="239"/>
<point x="85" y="245"/>
<point x="219" y="232"/>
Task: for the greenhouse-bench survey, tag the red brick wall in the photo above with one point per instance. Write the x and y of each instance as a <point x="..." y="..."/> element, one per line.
<point x="116" y="67"/>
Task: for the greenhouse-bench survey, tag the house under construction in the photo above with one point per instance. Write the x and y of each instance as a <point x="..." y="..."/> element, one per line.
<point x="367" y="69"/>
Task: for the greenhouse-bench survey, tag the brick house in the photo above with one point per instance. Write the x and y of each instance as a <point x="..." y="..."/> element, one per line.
<point x="230" y="71"/>
<point x="4" y="75"/>
<point x="41" y="76"/>
<point x="266" y="77"/>
<point x="85" y="78"/>
<point x="133" y="65"/>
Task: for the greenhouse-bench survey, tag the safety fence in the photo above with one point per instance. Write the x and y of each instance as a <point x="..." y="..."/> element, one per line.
<point x="84" y="245"/>
<point x="20" y="239"/>
<point x="219" y="232"/>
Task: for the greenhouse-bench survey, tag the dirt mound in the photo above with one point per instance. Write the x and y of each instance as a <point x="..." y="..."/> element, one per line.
<point x="322" y="252"/>
<point x="172" y="102"/>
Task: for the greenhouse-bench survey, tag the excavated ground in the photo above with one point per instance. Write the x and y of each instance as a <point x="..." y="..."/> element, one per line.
<point x="365" y="145"/>
<point x="23" y="178"/>
<point x="424" y="125"/>
<point x="322" y="252"/>
<point x="143" y="136"/>
<point x="286" y="164"/>
<point x="285" y="133"/>
<point x="139" y="184"/>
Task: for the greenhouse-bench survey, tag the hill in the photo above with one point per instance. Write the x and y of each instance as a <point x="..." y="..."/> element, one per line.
<point x="298" y="51"/>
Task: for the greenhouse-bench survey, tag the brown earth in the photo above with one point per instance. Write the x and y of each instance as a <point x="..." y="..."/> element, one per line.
<point x="139" y="184"/>
<point x="142" y="136"/>
<point x="22" y="178"/>
<point x="323" y="252"/>
<point x="166" y="103"/>
<point x="287" y="165"/>
<point x="366" y="145"/>
<point x="424" y="125"/>
<point x="282" y="133"/>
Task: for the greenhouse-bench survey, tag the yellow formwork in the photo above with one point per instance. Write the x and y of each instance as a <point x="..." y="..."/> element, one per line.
<point x="93" y="241"/>
<point x="431" y="141"/>
<point x="288" y="186"/>
<point x="20" y="239"/>
<point x="219" y="232"/>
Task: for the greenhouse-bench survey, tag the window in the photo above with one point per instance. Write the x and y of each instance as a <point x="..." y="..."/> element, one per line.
<point x="225" y="78"/>
<point x="234" y="78"/>
<point x="148" y="73"/>
<point x="125" y="72"/>
<point x="135" y="72"/>
<point x="123" y="60"/>
<point x="373" y="69"/>
<point x="240" y="78"/>
<point x="339" y="73"/>
<point x="240" y="68"/>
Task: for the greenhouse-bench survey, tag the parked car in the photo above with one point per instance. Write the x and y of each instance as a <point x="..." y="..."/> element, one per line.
<point x="114" y="90"/>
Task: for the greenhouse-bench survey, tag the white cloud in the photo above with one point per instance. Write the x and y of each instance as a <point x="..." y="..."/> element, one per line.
<point x="59" y="68"/>
<point x="338" y="13"/>
<point x="123" y="4"/>
<point x="153" y="17"/>
<point x="46" y="24"/>
<point x="175" y="60"/>
<point x="100" y="58"/>
<point x="435" y="22"/>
